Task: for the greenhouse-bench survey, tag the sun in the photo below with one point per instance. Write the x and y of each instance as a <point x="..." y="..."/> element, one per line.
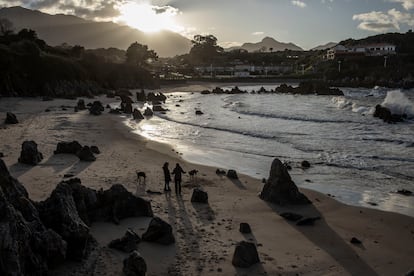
<point x="148" y="18"/>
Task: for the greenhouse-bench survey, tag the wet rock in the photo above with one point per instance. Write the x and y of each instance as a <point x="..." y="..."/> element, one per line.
<point x="85" y="154"/>
<point x="305" y="164"/>
<point x="158" y="108"/>
<point x="68" y="147"/>
<point x="307" y="221"/>
<point x="404" y="192"/>
<point x="159" y="231"/>
<point x="385" y="114"/>
<point x="280" y="188"/>
<point x="115" y="111"/>
<point x="355" y="241"/>
<point x="29" y="154"/>
<point x="134" y="265"/>
<point x="291" y="216"/>
<point x="95" y="150"/>
<point x="96" y="108"/>
<point x="245" y="228"/>
<point x="81" y="105"/>
<point x="10" y="119"/>
<point x="148" y="112"/>
<point x="152" y="97"/>
<point x="127" y="243"/>
<point x="232" y="174"/>
<point x="137" y="115"/>
<point x="245" y="255"/>
<point x="199" y="196"/>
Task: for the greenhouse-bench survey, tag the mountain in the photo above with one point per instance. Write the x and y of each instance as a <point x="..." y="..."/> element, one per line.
<point x="266" y="44"/>
<point x="324" y="46"/>
<point x="58" y="29"/>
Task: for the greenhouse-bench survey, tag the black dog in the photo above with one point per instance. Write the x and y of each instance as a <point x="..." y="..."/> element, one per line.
<point x="139" y="175"/>
<point x="193" y="174"/>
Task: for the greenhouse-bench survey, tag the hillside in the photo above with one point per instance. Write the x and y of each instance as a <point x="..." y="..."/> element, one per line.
<point x="58" y="29"/>
<point x="268" y="44"/>
<point x="324" y="46"/>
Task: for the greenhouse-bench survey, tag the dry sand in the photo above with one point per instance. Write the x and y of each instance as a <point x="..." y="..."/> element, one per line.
<point x="205" y="234"/>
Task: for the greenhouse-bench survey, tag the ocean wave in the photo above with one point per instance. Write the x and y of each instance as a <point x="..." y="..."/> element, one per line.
<point x="399" y="103"/>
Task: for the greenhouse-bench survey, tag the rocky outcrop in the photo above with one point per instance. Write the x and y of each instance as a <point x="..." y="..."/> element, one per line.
<point x="96" y="108"/>
<point x="280" y="188"/>
<point x="385" y="114"/>
<point x="68" y="147"/>
<point x="159" y="231"/>
<point x="27" y="247"/>
<point x="85" y="154"/>
<point x="148" y="112"/>
<point x="199" y="196"/>
<point x="137" y="115"/>
<point x="134" y="265"/>
<point x="95" y="150"/>
<point x="245" y="255"/>
<point x="29" y="154"/>
<point x="232" y="174"/>
<point x="127" y="243"/>
<point x="10" y="119"/>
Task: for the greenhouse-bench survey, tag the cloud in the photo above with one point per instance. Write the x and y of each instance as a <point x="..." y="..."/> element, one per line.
<point x="229" y="44"/>
<point x="258" y="33"/>
<point x="407" y="4"/>
<point x="298" y="3"/>
<point x="378" y="21"/>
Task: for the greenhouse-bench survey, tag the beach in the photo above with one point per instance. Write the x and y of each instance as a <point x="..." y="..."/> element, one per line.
<point x="206" y="235"/>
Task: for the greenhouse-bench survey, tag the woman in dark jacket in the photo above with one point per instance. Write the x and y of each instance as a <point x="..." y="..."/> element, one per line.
<point x="177" y="178"/>
<point x="167" y="177"/>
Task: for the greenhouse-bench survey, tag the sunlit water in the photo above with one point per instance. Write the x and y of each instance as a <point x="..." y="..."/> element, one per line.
<point x="355" y="157"/>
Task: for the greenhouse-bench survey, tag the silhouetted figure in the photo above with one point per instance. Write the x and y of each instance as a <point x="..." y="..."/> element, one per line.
<point x="177" y="177"/>
<point x="167" y="177"/>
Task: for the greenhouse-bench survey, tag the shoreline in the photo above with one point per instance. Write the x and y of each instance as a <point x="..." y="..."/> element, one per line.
<point x="206" y="235"/>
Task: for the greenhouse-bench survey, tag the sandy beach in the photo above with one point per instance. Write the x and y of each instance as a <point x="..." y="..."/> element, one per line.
<point x="206" y="235"/>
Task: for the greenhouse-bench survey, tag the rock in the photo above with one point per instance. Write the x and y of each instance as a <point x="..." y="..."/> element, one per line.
<point x="86" y="154"/>
<point x="158" y="108"/>
<point x="141" y="97"/>
<point x="10" y="119"/>
<point x="199" y="196"/>
<point x="280" y="188"/>
<point x="137" y="115"/>
<point x="127" y="243"/>
<point x="96" y="108"/>
<point x="305" y="164"/>
<point x="68" y="175"/>
<point x="27" y="247"/>
<point x="385" y="114"/>
<point x="404" y="192"/>
<point x="29" y="154"/>
<point x="81" y="104"/>
<point x="199" y="112"/>
<point x="291" y="216"/>
<point x="95" y="150"/>
<point x="68" y="147"/>
<point x="126" y="108"/>
<point x="159" y="231"/>
<point x="220" y="172"/>
<point x="410" y="273"/>
<point x="115" y="111"/>
<point x="355" y="241"/>
<point x="148" y="112"/>
<point x="232" y="174"/>
<point x="152" y="97"/>
<point x="245" y="255"/>
<point x="205" y="92"/>
<point x="307" y="221"/>
<point x="134" y="265"/>
<point x="245" y="228"/>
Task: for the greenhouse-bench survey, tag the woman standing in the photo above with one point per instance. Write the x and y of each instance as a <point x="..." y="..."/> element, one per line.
<point x="177" y="178"/>
<point x="167" y="177"/>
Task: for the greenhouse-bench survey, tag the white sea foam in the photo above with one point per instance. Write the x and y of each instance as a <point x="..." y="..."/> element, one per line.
<point x="399" y="103"/>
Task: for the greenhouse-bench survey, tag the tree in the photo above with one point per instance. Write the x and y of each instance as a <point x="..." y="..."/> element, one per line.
<point x="205" y="49"/>
<point x="139" y="54"/>
<point x="6" y="27"/>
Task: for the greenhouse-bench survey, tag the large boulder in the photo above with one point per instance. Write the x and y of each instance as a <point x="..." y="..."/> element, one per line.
<point x="27" y="247"/>
<point x="280" y="188"/>
<point x="245" y="255"/>
<point x="29" y="154"/>
<point x="68" y="147"/>
<point x="134" y="265"/>
<point x="137" y="115"/>
<point x="11" y="118"/>
<point x="385" y="114"/>
<point x="96" y="108"/>
<point x="127" y="243"/>
<point x="232" y="174"/>
<point x="159" y="231"/>
<point x="199" y="196"/>
<point x="86" y="154"/>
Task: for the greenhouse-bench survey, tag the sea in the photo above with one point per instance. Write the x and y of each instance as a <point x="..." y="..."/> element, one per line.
<point x="354" y="157"/>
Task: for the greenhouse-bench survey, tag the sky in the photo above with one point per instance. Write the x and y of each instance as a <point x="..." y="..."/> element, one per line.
<point x="307" y="23"/>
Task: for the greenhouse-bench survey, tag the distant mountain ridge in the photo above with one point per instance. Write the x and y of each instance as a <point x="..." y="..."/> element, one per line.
<point x="324" y="46"/>
<point x="266" y="45"/>
<point x="58" y="29"/>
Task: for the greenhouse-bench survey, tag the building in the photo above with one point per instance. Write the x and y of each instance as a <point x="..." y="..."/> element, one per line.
<point x="379" y="49"/>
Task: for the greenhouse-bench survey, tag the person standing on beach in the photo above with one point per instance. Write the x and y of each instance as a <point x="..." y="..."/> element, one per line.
<point x="177" y="172"/>
<point x="167" y="177"/>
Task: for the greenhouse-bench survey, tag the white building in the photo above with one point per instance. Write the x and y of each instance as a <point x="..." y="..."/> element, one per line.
<point x="379" y="49"/>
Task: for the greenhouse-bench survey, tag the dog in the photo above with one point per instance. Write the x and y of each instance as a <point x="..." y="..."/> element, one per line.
<point x="139" y="175"/>
<point x="193" y="174"/>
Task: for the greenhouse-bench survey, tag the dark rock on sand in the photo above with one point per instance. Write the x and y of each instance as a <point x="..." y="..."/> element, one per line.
<point x="134" y="265"/>
<point x="159" y="231"/>
<point x="199" y="112"/>
<point x="232" y="174"/>
<point x="280" y="188"/>
<point x="27" y="247"/>
<point x="10" y="119"/>
<point x="307" y="221"/>
<point x="199" y="196"/>
<point x="148" y="112"/>
<point x="68" y="147"/>
<point x="127" y="243"/>
<point x="404" y="192"/>
<point x="29" y="154"/>
<point x="220" y="172"/>
<point x="245" y="228"/>
<point x="305" y="164"/>
<point x="81" y="105"/>
<point x="355" y="241"/>
<point x="95" y="150"/>
<point x="85" y="154"/>
<point x="137" y="115"/>
<point x="245" y="255"/>
<point x="96" y="108"/>
<point x="158" y="108"/>
<point x="291" y="216"/>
